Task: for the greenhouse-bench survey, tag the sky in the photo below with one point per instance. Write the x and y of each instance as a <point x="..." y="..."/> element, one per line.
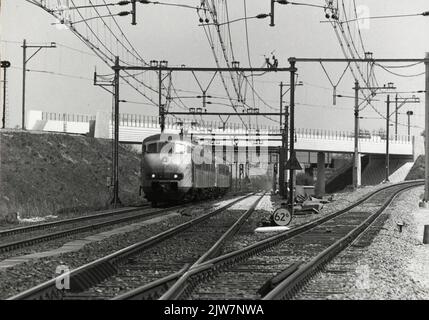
<point x="173" y="34"/>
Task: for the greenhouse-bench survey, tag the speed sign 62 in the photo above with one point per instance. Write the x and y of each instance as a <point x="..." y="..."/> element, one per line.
<point x="282" y="217"/>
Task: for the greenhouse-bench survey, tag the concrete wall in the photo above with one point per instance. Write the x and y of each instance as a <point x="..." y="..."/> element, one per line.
<point x="134" y="128"/>
<point x="36" y="120"/>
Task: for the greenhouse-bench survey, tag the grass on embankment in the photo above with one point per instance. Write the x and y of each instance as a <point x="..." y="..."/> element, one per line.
<point x="43" y="174"/>
<point x="418" y="169"/>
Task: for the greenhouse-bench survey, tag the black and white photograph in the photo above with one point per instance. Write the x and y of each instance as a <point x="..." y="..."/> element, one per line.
<point x="215" y="156"/>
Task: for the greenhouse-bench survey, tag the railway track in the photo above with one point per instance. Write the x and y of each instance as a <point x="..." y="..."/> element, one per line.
<point x="12" y="240"/>
<point x="107" y="219"/>
<point x="354" y="228"/>
<point x="123" y="262"/>
<point x="53" y="224"/>
<point x="279" y="266"/>
<point x="331" y="279"/>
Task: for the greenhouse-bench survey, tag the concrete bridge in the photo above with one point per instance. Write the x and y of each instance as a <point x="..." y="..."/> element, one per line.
<point x="314" y="146"/>
<point x="134" y="128"/>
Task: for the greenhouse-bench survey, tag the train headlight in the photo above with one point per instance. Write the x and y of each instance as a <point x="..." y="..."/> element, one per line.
<point x="175" y="176"/>
<point x="153" y="175"/>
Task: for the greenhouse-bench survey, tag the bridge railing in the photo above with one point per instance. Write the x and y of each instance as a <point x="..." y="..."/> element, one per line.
<point x="304" y="133"/>
<point x="67" y="117"/>
<point x="130" y="120"/>
<point x="149" y="121"/>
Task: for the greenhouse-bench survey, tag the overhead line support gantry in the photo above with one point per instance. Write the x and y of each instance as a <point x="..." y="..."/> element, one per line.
<point x="425" y="60"/>
<point x="163" y="67"/>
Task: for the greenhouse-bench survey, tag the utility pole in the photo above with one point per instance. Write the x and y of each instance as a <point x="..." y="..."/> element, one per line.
<point x="4" y="66"/>
<point x="399" y="102"/>
<point x="274" y="160"/>
<point x="115" y="200"/>
<point x="282" y="149"/>
<point x="161" y="107"/>
<point x="292" y="137"/>
<point x="236" y="176"/>
<point x="409" y="114"/>
<point x="387" y="137"/>
<point x="285" y="137"/>
<point x="426" y="197"/>
<point x="356" y="159"/>
<point x="286" y="148"/>
<point x="396" y="117"/>
<point x="160" y="66"/>
<point x="272" y="14"/>
<point x="3" y="121"/>
<point x="356" y="156"/>
<point x="24" y="70"/>
<point x="133" y="12"/>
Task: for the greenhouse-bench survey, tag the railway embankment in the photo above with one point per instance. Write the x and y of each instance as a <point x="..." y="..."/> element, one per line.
<point x="418" y="169"/>
<point x="53" y="174"/>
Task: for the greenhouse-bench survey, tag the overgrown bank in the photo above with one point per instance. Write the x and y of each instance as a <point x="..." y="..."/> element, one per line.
<point x="418" y="169"/>
<point x="42" y="174"/>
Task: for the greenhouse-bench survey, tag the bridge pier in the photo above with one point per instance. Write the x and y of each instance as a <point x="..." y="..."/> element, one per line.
<point x="357" y="172"/>
<point x="309" y="171"/>
<point x="320" y="182"/>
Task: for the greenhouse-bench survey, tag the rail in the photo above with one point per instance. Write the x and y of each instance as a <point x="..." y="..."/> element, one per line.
<point x="288" y="287"/>
<point x="96" y="271"/>
<point x="185" y="282"/>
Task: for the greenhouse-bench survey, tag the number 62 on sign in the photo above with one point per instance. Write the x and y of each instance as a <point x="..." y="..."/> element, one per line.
<point x="282" y="217"/>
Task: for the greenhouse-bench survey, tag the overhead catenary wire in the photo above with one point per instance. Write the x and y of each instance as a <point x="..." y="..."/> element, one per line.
<point x="212" y="46"/>
<point x="55" y="73"/>
<point x="136" y="55"/>
<point x="112" y="55"/>
<point x="367" y="97"/>
<point x="244" y="79"/>
<point x="249" y="60"/>
<point x="400" y="75"/>
<point x="389" y="16"/>
<point x="101" y="49"/>
<point x="358" y="27"/>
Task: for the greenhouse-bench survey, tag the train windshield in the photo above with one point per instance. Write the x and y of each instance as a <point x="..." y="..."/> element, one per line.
<point x="152" y="148"/>
<point x="167" y="147"/>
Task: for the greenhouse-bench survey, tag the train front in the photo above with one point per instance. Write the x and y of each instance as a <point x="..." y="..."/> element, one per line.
<point x="166" y="168"/>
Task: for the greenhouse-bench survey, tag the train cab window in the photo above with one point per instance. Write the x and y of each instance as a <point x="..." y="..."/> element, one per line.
<point x="152" y="148"/>
<point x="165" y="146"/>
<point x="144" y="148"/>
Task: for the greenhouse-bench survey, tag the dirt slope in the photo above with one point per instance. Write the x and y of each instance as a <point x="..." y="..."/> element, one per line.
<point x="43" y="174"/>
<point x="418" y="169"/>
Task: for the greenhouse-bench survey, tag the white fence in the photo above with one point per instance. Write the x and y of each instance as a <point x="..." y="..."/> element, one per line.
<point x="134" y="128"/>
